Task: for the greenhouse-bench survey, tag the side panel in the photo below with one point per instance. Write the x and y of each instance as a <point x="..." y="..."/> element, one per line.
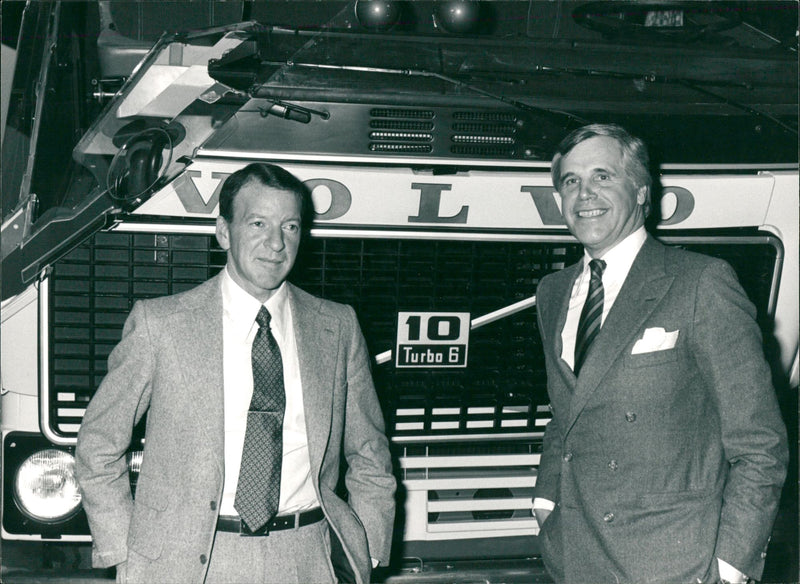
<point x="20" y="367"/>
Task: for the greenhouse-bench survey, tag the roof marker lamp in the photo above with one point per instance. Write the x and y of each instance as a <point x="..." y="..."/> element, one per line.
<point x="377" y="15"/>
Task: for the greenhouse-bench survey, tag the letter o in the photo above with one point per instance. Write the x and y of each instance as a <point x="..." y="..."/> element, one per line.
<point x="679" y="202"/>
<point x="341" y="199"/>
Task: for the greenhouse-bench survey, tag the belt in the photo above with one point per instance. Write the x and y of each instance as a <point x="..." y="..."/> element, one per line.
<point x="236" y="525"/>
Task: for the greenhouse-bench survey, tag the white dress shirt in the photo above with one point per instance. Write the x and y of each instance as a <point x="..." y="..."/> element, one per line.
<point x="239" y="329"/>
<point x="619" y="260"/>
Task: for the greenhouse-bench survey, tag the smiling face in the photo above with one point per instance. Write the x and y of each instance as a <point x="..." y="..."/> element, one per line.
<point x="262" y="238"/>
<point x="599" y="201"/>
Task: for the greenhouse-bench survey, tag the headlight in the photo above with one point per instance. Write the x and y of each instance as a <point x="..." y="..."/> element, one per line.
<point x="45" y="487"/>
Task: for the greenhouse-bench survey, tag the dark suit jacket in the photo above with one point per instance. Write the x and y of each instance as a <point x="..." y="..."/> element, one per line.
<point x="662" y="461"/>
<point x="169" y="363"/>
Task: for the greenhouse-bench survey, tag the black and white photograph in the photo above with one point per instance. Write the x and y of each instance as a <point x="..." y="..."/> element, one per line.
<point x="399" y="292"/>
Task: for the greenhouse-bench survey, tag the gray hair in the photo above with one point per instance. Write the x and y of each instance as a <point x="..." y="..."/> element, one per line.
<point x="635" y="157"/>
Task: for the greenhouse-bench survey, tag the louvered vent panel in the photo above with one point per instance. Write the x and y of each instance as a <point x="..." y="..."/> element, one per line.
<point x="401" y="131"/>
<point x="401" y="125"/>
<point x="484" y="134"/>
<point x="401" y="113"/>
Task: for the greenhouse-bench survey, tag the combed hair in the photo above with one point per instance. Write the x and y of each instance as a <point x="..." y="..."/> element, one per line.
<point x="268" y="175"/>
<point x="634" y="155"/>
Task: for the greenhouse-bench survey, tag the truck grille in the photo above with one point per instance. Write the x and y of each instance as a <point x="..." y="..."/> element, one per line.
<point x="94" y="287"/>
<point x="501" y="392"/>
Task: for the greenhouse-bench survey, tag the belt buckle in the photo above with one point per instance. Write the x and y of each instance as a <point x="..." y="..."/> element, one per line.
<point x="245" y="531"/>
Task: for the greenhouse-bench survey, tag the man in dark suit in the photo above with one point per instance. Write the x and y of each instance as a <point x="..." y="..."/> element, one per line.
<point x="254" y="390"/>
<point x="666" y="452"/>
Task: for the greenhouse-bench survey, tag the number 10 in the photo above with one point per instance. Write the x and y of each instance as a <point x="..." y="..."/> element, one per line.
<point x="435" y="328"/>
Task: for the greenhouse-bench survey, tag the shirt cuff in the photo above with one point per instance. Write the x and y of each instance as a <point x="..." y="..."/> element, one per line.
<point x="541" y="503"/>
<point x="730" y="574"/>
<point x="375" y="563"/>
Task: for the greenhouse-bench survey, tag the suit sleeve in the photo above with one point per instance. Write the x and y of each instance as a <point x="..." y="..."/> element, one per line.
<point x="369" y="479"/>
<point x="548" y="474"/>
<point x="729" y="351"/>
<point x="104" y="438"/>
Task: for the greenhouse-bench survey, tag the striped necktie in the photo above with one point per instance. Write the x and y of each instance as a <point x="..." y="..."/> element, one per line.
<point x="591" y="315"/>
<point x="258" y="489"/>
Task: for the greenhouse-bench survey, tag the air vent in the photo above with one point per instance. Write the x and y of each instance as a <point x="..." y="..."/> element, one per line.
<point x="475" y="139"/>
<point x="484" y="134"/>
<point x="396" y="113"/>
<point x="492" y="151"/>
<point x="485" y="129"/>
<point x="396" y="147"/>
<point x="405" y="136"/>
<point x="400" y="131"/>
<point x="401" y="125"/>
<point x="484" y="116"/>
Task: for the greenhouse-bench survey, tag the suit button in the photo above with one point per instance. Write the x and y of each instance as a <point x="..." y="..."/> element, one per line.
<point x="630" y="416"/>
<point x="763" y="555"/>
<point x="203" y="558"/>
<point x="613" y="465"/>
<point x="213" y="505"/>
<point x="608" y="517"/>
<point x="567" y="457"/>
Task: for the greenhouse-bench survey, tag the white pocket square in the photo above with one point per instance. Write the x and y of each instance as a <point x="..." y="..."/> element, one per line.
<point x="655" y="339"/>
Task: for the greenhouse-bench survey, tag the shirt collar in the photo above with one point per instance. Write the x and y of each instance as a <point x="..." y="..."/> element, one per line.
<point x="240" y="308"/>
<point x="619" y="258"/>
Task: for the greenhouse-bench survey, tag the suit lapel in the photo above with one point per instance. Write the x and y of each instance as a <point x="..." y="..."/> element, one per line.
<point x="563" y="293"/>
<point x="317" y="343"/>
<point x="645" y="286"/>
<point x="196" y="330"/>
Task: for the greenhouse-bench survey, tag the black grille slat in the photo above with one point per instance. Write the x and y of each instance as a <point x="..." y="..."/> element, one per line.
<point x="414" y="114"/>
<point x="400" y="136"/>
<point x="485" y="129"/>
<point x="479" y="150"/>
<point x="399" y="147"/>
<point x="401" y="125"/>
<point x="484" y="116"/>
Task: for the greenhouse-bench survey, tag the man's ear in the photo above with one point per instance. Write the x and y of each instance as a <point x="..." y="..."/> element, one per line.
<point x="223" y="233"/>
<point x="641" y="195"/>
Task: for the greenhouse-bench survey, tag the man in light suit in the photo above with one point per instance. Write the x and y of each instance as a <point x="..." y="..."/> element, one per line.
<point x="666" y="452"/>
<point x="185" y="360"/>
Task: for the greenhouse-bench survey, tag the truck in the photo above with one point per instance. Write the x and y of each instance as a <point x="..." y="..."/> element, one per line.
<point x="424" y="131"/>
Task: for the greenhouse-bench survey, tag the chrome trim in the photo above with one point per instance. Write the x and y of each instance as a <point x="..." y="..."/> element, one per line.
<point x="44" y="368"/>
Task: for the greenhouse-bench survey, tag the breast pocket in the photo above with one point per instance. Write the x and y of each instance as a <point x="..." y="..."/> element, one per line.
<point x="653" y="358"/>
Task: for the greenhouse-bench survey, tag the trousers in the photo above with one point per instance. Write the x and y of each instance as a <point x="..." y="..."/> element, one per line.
<point x="292" y="556"/>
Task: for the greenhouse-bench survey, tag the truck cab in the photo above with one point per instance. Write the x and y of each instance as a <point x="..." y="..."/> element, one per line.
<point x="425" y="134"/>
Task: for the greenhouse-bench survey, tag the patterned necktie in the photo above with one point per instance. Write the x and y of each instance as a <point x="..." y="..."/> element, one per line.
<point x="591" y="315"/>
<point x="258" y="490"/>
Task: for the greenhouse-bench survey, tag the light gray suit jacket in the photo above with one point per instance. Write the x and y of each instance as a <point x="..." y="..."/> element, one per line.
<point x="662" y="461"/>
<point x="169" y="364"/>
